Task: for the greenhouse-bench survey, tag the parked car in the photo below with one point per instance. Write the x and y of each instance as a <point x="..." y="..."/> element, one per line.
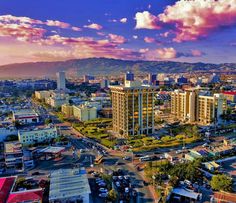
<point x="103" y="190"/>
<point x="103" y="195"/>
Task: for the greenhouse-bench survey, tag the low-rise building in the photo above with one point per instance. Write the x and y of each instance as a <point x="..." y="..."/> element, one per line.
<point x="26" y="116"/>
<point x="230" y="96"/>
<point x="67" y="110"/>
<point x="42" y="95"/>
<point x="13" y="156"/>
<point x="8" y="194"/>
<point x="69" y="185"/>
<point x="85" y="112"/>
<point x="37" y="135"/>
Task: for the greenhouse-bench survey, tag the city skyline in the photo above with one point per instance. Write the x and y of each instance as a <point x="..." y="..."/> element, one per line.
<point x="190" y="31"/>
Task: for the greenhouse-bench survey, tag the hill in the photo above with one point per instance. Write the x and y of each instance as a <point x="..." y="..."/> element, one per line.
<point x="104" y="66"/>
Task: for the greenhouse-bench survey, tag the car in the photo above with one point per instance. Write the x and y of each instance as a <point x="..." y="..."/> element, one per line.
<point x="103" y="190"/>
<point x="95" y="174"/>
<point x="100" y="181"/>
<point x="120" y="177"/>
<point x="102" y="184"/>
<point x="126" y="177"/>
<point x="103" y="195"/>
<point x="36" y="173"/>
<point x="118" y="184"/>
<point x="114" y="177"/>
<point x="127" y="158"/>
<point x="126" y="190"/>
<point x="134" y="193"/>
<point x="145" y="183"/>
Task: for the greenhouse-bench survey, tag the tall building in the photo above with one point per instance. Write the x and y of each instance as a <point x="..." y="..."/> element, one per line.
<point x="129" y="76"/>
<point x="194" y="107"/>
<point x="61" y="80"/>
<point x="152" y="78"/>
<point x="133" y="108"/>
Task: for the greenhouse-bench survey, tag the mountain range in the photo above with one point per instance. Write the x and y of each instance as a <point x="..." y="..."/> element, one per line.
<point x="105" y="66"/>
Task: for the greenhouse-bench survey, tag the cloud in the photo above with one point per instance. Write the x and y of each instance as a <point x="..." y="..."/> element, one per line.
<point x="166" y="53"/>
<point x="21" y="32"/>
<point x="76" y="28"/>
<point x="149" y="39"/>
<point x="191" y="19"/>
<point x="94" y="26"/>
<point x="118" y="39"/>
<point x="135" y="36"/>
<point x="57" y="23"/>
<point x="146" y="20"/>
<point x="123" y="20"/>
<point x="197" y="53"/>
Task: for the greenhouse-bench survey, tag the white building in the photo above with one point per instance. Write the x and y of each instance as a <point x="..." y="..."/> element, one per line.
<point x="85" y="112"/>
<point x="37" y="135"/>
<point x="61" y="80"/>
<point x="69" y="185"/>
<point x="57" y="98"/>
<point x="26" y="116"/>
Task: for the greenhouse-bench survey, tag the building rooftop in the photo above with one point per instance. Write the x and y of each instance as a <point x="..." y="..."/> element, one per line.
<point x="53" y="150"/>
<point x="5" y="187"/>
<point x="68" y="183"/>
<point x="24" y="113"/>
<point x="12" y="147"/>
<point x="26" y="196"/>
<point x="230" y="93"/>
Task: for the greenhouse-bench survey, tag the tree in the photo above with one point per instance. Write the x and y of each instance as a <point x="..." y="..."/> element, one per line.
<point x="48" y="121"/>
<point x="112" y="195"/>
<point x="222" y="182"/>
<point x="11" y="138"/>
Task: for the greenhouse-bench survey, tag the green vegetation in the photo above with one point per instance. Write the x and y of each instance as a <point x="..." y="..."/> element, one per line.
<point x="222" y="182"/>
<point x="11" y="138"/>
<point x="177" y="172"/>
<point x="150" y="143"/>
<point x="112" y="195"/>
<point x="98" y="130"/>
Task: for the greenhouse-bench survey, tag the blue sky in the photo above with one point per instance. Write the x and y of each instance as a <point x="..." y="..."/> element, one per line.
<point x="52" y="30"/>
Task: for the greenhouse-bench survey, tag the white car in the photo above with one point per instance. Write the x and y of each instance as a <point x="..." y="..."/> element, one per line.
<point x="118" y="184"/>
<point x="104" y="195"/>
<point x="120" y="177"/>
<point x="126" y="177"/>
<point x="126" y="190"/>
<point x="103" y="190"/>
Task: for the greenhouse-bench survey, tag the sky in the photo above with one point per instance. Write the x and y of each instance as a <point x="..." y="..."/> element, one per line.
<point x="55" y="30"/>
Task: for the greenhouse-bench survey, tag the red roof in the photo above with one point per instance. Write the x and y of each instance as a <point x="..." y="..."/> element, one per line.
<point x="230" y="93"/>
<point x="5" y="188"/>
<point x="224" y="197"/>
<point x="36" y="195"/>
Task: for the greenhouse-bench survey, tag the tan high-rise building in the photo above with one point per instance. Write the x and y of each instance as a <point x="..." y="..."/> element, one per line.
<point x="193" y="107"/>
<point x="133" y="108"/>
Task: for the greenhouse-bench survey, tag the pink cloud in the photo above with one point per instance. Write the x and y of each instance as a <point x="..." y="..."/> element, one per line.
<point x="149" y="39"/>
<point x="76" y="28"/>
<point x="22" y="32"/>
<point x="146" y="20"/>
<point x="197" y="53"/>
<point x="94" y="26"/>
<point x="118" y="39"/>
<point x="191" y="19"/>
